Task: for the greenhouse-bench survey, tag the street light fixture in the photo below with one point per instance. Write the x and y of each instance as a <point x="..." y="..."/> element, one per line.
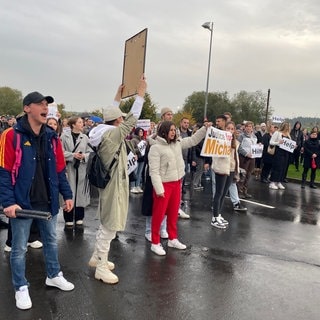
<point x="209" y="26"/>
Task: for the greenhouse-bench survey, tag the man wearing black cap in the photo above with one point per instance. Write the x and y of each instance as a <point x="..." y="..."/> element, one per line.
<point x="32" y="179"/>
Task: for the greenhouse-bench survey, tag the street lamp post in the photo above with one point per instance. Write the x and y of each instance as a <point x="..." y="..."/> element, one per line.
<point x="209" y="26"/>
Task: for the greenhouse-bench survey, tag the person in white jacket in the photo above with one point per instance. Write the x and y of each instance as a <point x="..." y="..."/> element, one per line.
<point x="166" y="171"/>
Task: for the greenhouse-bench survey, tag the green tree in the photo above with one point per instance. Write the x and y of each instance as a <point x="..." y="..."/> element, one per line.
<point x="218" y="103"/>
<point x="250" y="106"/>
<point x="10" y="101"/>
<point x="149" y="109"/>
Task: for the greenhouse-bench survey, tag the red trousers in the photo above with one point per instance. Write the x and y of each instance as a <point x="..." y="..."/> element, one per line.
<point x="169" y="205"/>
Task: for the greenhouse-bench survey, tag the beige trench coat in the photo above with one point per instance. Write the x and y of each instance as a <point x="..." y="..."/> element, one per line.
<point x="114" y="199"/>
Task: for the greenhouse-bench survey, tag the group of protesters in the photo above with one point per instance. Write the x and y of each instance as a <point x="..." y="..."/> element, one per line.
<point x="49" y="173"/>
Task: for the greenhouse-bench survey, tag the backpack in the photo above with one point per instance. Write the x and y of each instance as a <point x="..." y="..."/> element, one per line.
<point x="96" y="173"/>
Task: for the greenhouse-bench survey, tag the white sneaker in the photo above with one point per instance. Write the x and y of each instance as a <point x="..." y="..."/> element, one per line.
<point x="134" y="190"/>
<point x="35" y="244"/>
<point x="23" y="300"/>
<point x="69" y="224"/>
<point x="158" y="249"/>
<point x="280" y="186"/>
<point x="182" y="214"/>
<point x="60" y="282"/>
<point x="164" y="234"/>
<point x="273" y="186"/>
<point x="7" y="248"/>
<point x="175" y="243"/>
<point x="79" y="222"/>
<point x="217" y="223"/>
<point x="223" y="220"/>
<point x="139" y="189"/>
<point x="148" y="236"/>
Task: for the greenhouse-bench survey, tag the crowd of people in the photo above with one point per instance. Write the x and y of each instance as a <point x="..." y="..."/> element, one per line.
<point x="48" y="173"/>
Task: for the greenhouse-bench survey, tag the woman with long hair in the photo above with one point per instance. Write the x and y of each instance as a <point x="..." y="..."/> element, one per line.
<point x="226" y="170"/>
<point x="76" y="153"/>
<point x="280" y="157"/>
<point x="166" y="171"/>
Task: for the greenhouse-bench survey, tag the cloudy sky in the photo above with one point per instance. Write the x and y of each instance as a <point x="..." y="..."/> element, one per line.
<point x="73" y="50"/>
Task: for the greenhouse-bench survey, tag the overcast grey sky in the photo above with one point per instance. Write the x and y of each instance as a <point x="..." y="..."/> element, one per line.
<point x="73" y="50"/>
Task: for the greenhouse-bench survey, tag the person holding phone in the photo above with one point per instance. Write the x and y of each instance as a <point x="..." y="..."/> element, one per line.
<point x="76" y="153"/>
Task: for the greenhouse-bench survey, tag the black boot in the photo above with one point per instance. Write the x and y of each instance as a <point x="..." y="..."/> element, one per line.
<point x="313" y="186"/>
<point x="303" y="182"/>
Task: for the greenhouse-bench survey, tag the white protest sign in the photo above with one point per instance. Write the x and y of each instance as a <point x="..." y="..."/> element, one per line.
<point x="288" y="145"/>
<point x="277" y="119"/>
<point x="256" y="150"/>
<point x="142" y="145"/>
<point x="144" y="124"/>
<point x="217" y="143"/>
<point x="52" y="111"/>
<point x="132" y="162"/>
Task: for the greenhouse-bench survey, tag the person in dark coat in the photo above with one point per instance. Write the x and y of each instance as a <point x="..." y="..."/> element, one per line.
<point x="267" y="158"/>
<point x="311" y="151"/>
<point x="296" y="135"/>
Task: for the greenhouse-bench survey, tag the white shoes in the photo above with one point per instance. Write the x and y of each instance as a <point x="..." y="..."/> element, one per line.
<point x="158" y="249"/>
<point x="175" y="243"/>
<point x="35" y="244"/>
<point x="23" y="300"/>
<point x="280" y="186"/>
<point x="60" y="282"/>
<point x="182" y="214"/>
<point x="164" y="234"/>
<point x="104" y="274"/>
<point x="136" y="190"/>
<point x="7" y="248"/>
<point x="93" y="262"/>
<point x="148" y="236"/>
<point x="273" y="186"/>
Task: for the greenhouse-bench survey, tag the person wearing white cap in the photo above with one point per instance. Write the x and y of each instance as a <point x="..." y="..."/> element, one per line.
<point x="114" y="198"/>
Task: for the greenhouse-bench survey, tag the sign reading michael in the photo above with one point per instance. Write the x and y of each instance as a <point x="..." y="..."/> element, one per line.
<point x="217" y="143"/>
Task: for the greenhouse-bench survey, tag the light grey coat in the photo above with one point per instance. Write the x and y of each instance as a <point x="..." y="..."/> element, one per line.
<point x="81" y="191"/>
<point x="114" y="199"/>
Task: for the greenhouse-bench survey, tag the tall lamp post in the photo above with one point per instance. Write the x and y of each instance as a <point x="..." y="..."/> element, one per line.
<point x="209" y="26"/>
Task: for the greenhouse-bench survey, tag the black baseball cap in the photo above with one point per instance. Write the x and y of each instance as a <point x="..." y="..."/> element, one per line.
<point x="36" y="97"/>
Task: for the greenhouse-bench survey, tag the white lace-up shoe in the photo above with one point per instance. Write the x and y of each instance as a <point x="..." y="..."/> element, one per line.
<point x="23" y="300"/>
<point x="175" y="243"/>
<point x="158" y="249"/>
<point x="60" y="282"/>
<point x="183" y="215"/>
<point x="35" y="244"/>
<point x="164" y="234"/>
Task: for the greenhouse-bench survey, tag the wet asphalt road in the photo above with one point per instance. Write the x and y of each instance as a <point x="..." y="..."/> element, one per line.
<point x="264" y="266"/>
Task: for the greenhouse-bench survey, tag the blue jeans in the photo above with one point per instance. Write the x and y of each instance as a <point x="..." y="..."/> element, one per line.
<point x="20" y="236"/>
<point x="148" y="224"/>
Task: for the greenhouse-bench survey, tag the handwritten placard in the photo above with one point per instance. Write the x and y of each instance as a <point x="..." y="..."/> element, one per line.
<point x="288" y="145"/>
<point x="132" y="162"/>
<point x="277" y="119"/>
<point x="256" y="150"/>
<point x="217" y="143"/>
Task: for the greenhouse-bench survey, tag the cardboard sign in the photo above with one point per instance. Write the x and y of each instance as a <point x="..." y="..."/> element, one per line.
<point x="256" y="150"/>
<point x="144" y="124"/>
<point x="52" y="111"/>
<point x="217" y="143"/>
<point x="277" y="119"/>
<point x="132" y="162"/>
<point x="288" y="145"/>
<point x="134" y="62"/>
<point x="142" y="145"/>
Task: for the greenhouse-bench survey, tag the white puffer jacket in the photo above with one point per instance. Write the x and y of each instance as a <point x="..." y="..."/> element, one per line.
<point x="165" y="159"/>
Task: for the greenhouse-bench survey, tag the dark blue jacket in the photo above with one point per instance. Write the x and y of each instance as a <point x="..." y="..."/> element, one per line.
<point x="19" y="193"/>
